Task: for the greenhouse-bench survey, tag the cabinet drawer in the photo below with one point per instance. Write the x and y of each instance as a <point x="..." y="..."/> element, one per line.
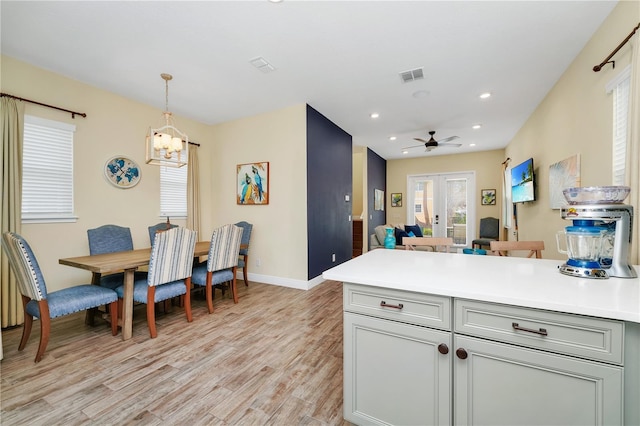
<point x="409" y="307"/>
<point x="585" y="337"/>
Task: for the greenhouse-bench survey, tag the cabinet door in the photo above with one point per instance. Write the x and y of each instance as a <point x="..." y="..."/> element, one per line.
<point x="395" y="373"/>
<point x="499" y="384"/>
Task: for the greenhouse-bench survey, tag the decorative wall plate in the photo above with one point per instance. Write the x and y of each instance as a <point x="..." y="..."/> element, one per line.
<point x="122" y="172"/>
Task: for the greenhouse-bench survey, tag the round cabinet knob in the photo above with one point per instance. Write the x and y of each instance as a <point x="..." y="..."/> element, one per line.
<point x="443" y="349"/>
<point x="461" y="353"/>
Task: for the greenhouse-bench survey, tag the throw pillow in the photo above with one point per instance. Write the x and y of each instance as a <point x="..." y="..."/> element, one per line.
<point x="399" y="235"/>
<point x="415" y="229"/>
<point x="381" y="233"/>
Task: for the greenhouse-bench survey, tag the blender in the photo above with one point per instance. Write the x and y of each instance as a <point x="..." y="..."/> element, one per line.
<point x="584" y="248"/>
<point x="603" y="205"/>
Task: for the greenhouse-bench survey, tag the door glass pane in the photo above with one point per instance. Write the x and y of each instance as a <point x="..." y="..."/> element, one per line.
<point x="423" y="206"/>
<point x="457" y="210"/>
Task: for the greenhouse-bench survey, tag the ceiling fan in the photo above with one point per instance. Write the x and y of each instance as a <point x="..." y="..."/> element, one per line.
<point x="432" y="143"/>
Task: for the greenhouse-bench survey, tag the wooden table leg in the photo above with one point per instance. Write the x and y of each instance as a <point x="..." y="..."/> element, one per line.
<point x="127" y="305"/>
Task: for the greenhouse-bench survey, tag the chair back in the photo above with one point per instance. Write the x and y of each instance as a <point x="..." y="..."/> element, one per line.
<point x="223" y="252"/>
<point x="503" y="247"/>
<point x="489" y="228"/>
<point x="25" y="266"/>
<point x="246" y="236"/>
<point x="157" y="228"/>
<point x="410" y="243"/>
<point x="109" y="239"/>
<point x="171" y="256"/>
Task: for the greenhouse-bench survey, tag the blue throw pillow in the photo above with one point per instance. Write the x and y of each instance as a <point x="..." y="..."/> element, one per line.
<point x="399" y="235"/>
<point x="415" y="229"/>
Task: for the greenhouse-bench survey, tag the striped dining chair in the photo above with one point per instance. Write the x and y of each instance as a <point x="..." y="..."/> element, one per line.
<point x="169" y="273"/>
<point x="222" y="263"/>
<point x="38" y="302"/>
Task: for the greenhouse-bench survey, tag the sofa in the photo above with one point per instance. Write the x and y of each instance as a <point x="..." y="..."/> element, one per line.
<point x="376" y="240"/>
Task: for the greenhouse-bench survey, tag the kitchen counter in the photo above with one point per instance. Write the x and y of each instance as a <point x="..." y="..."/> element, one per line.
<point x="534" y="283"/>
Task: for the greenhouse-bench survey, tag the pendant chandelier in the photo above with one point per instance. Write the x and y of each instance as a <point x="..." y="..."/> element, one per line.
<point x="166" y="145"/>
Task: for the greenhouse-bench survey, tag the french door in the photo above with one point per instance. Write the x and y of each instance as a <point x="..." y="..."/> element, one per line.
<point x="443" y="205"/>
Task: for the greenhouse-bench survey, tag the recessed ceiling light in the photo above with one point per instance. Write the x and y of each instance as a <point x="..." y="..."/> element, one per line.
<point x="485" y="95"/>
<point x="405" y="152"/>
<point x="472" y="144"/>
<point x="374" y="115"/>
<point x="392" y="138"/>
<point x="476" y="126"/>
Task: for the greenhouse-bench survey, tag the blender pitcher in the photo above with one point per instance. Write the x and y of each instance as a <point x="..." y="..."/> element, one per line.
<point x="583" y="243"/>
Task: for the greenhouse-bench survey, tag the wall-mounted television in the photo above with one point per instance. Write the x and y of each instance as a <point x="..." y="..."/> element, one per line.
<point x="523" y="182"/>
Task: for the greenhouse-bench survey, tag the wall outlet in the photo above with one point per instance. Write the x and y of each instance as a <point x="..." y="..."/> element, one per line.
<point x="333" y="257"/>
<point x="258" y="262"/>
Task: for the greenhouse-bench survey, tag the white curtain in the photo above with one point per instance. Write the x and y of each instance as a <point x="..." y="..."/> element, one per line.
<point x="632" y="169"/>
<point x="193" y="191"/>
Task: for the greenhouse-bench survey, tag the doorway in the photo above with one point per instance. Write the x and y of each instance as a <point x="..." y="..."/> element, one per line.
<point x="443" y="205"/>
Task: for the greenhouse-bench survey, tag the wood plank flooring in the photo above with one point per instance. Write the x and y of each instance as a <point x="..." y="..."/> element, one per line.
<point x="275" y="358"/>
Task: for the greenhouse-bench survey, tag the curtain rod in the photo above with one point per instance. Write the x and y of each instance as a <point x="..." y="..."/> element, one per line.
<point x="193" y="143"/>
<point x="73" y="113"/>
<point x="606" y="61"/>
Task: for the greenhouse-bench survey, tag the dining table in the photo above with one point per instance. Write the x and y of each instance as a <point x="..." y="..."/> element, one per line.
<point x="128" y="261"/>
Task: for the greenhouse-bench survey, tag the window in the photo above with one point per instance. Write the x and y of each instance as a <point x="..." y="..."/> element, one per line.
<point x="620" y="87"/>
<point x="47" y="171"/>
<point x="173" y="191"/>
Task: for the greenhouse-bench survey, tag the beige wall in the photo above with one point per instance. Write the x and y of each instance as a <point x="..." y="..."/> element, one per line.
<point x="117" y="126"/>
<point x="574" y="118"/>
<point x="487" y="166"/>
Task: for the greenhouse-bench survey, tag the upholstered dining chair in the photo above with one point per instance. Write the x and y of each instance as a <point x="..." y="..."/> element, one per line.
<point x="489" y="231"/>
<point x="159" y="227"/>
<point x="243" y="261"/>
<point x="222" y="263"/>
<point x="169" y="273"/>
<point x="39" y="303"/>
<point x="502" y="248"/>
<point x="110" y="239"/>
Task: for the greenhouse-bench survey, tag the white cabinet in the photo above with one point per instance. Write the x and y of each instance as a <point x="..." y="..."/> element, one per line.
<point x="418" y="359"/>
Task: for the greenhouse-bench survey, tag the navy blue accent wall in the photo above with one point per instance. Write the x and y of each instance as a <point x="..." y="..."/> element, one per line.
<point x="329" y="179"/>
<point x="376" y="179"/>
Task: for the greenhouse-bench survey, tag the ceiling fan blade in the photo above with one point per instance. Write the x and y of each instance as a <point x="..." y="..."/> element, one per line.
<point x="450" y="138"/>
<point x="420" y="140"/>
<point x="409" y="147"/>
<point x="453" y="145"/>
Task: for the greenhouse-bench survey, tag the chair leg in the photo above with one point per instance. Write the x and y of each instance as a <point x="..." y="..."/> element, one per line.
<point x="28" y="323"/>
<point x="113" y="311"/>
<point x="187" y="300"/>
<point x="244" y="270"/>
<point x="45" y="328"/>
<point x="209" y="292"/>
<point x="151" y="311"/>
<point x="234" y="290"/>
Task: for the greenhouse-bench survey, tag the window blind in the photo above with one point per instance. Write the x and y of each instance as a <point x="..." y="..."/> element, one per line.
<point x="620" y="88"/>
<point x="47" y="171"/>
<point x="173" y="191"/>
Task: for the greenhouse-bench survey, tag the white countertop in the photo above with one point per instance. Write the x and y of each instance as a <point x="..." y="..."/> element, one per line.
<point x="534" y="283"/>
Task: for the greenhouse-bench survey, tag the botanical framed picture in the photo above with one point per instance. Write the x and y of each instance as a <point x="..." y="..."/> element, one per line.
<point x="252" y="183"/>
<point x="396" y="199"/>
<point x="488" y="197"/>
<point x="122" y="172"/>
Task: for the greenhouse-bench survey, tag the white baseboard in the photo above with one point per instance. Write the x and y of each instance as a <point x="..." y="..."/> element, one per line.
<point x="283" y="282"/>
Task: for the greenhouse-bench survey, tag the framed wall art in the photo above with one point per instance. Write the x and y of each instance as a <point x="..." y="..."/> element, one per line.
<point x="396" y="199"/>
<point x="563" y="174"/>
<point x="488" y="197"/>
<point x="378" y="199"/>
<point x="122" y="172"/>
<point x="252" y="183"/>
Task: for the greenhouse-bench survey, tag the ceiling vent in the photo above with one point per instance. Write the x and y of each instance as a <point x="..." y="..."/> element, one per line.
<point x="411" y="75"/>
<point x="261" y="64"/>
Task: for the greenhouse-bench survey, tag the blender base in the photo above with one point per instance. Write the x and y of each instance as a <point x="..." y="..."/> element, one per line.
<point x="576" y="271"/>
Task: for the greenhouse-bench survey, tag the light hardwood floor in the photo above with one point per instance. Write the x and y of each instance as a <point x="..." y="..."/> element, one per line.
<point x="275" y="358"/>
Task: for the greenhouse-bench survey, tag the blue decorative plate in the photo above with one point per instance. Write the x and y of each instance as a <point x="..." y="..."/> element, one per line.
<point x="122" y="172"/>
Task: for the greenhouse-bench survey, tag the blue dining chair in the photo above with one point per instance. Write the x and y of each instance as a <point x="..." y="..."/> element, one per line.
<point x="243" y="260"/>
<point x="169" y="273"/>
<point x="222" y="262"/>
<point x="38" y="302"/>
<point x="159" y="227"/>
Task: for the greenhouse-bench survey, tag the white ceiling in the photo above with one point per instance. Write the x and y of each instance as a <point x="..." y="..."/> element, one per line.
<point x="341" y="57"/>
